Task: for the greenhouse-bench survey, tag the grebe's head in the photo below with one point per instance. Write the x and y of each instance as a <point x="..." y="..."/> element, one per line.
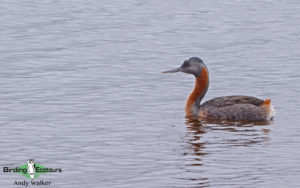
<point x="193" y="66"/>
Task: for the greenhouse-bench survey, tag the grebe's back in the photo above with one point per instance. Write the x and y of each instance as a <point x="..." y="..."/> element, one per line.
<point x="237" y="108"/>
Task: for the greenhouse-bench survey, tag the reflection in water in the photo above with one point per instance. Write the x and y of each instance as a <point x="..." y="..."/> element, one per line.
<point x="214" y="137"/>
<point x="196" y="131"/>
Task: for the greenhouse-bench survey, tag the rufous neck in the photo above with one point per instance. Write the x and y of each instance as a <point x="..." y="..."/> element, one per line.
<point x="201" y="85"/>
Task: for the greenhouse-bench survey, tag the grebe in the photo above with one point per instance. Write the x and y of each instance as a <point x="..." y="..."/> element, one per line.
<point x="225" y="108"/>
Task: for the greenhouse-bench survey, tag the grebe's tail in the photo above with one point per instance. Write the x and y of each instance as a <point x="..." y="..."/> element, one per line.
<point x="267" y="102"/>
<point x="271" y="111"/>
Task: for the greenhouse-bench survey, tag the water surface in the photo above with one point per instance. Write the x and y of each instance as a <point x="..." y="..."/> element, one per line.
<point x="81" y="89"/>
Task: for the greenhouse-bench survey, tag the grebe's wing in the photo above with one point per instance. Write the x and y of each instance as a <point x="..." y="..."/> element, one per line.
<point x="232" y="100"/>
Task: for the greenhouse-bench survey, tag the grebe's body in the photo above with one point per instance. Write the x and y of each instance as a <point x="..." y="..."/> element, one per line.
<point x="227" y="108"/>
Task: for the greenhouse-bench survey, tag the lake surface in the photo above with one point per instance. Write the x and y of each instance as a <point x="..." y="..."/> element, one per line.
<point x="81" y="90"/>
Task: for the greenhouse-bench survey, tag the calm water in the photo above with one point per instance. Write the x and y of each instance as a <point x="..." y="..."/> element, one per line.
<point x="81" y="89"/>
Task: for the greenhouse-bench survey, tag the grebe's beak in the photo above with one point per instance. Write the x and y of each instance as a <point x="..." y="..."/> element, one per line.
<point x="173" y="70"/>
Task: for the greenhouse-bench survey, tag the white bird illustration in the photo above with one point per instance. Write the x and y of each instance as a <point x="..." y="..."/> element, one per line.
<point x="31" y="168"/>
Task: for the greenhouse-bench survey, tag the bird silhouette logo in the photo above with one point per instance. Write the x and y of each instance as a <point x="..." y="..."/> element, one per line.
<point x="31" y="168"/>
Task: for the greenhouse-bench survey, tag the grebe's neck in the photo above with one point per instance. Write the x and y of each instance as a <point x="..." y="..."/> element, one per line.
<point x="193" y="102"/>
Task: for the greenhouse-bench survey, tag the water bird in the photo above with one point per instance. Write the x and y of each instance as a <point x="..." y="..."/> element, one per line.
<point x="236" y="107"/>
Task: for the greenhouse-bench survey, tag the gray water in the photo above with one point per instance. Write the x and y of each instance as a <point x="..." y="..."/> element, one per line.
<point x="81" y="90"/>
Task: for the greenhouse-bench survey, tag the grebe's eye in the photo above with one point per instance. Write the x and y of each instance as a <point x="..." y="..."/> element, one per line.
<point x="185" y="63"/>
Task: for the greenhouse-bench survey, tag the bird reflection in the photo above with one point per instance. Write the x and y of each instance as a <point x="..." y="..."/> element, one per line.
<point x="252" y="131"/>
<point x="194" y="134"/>
<point x="207" y="137"/>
